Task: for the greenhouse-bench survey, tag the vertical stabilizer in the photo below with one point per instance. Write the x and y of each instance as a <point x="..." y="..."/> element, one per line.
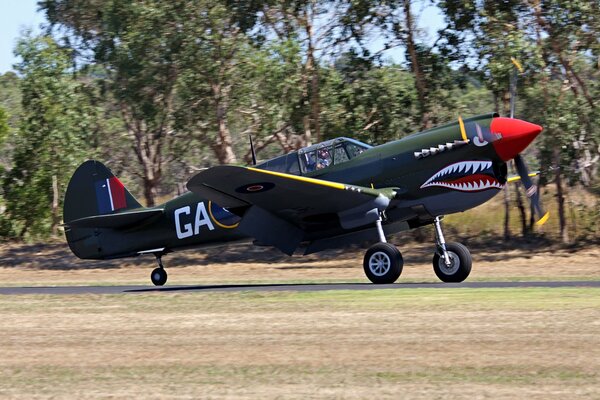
<point x="93" y="191"/>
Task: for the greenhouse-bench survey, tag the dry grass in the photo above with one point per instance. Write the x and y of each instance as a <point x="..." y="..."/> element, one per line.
<point x="27" y="265"/>
<point x="421" y="344"/>
<point x="417" y="344"/>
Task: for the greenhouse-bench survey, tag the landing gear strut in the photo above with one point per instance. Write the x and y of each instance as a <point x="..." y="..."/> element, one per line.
<point x="159" y="275"/>
<point x="383" y="262"/>
<point x="451" y="261"/>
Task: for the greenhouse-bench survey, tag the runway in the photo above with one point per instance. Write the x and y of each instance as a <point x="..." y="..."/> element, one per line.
<point x="73" y="290"/>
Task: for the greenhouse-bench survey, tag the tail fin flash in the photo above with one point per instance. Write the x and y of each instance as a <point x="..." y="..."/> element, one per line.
<point x="95" y="203"/>
<point x="94" y="190"/>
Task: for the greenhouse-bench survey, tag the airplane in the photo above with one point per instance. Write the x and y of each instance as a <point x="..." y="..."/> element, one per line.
<point x="328" y="195"/>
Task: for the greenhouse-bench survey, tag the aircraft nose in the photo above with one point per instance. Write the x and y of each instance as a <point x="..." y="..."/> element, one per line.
<point x="516" y="136"/>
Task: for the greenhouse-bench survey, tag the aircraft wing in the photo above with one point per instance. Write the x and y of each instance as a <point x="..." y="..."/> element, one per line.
<point x="280" y="209"/>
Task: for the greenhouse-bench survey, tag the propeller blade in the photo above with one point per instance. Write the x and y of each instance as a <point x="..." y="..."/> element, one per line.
<point x="513" y="94"/>
<point x="513" y="85"/>
<point x="531" y="190"/>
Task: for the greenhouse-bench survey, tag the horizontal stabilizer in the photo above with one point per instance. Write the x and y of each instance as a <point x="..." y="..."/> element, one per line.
<point x="115" y="221"/>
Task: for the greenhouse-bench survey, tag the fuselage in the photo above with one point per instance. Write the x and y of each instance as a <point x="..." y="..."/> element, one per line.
<point x="441" y="171"/>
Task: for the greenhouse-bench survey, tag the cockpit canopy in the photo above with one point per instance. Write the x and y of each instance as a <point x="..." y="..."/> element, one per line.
<point x="316" y="157"/>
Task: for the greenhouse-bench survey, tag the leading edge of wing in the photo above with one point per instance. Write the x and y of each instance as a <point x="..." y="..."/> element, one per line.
<point x="205" y="179"/>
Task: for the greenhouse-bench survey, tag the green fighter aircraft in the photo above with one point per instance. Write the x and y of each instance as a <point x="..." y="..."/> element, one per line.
<point x="328" y="195"/>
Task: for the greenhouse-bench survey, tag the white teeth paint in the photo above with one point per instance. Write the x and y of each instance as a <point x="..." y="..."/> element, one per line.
<point x="466" y="168"/>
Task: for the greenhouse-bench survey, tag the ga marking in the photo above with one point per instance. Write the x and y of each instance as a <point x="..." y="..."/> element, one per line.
<point x="185" y="230"/>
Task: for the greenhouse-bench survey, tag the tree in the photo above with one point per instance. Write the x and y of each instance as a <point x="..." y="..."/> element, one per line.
<point x="368" y="102"/>
<point x="4" y="129"/>
<point x="140" y="44"/>
<point x="211" y="78"/>
<point x="51" y="135"/>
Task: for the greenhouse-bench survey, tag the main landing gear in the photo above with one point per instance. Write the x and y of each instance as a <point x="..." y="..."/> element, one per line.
<point x="159" y="275"/>
<point x="451" y="261"/>
<point x="383" y="261"/>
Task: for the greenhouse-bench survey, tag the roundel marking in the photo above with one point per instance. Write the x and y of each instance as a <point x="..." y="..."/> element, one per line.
<point x="257" y="187"/>
<point x="221" y="217"/>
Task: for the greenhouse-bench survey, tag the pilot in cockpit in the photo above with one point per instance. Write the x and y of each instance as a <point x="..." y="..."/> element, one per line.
<point x="324" y="159"/>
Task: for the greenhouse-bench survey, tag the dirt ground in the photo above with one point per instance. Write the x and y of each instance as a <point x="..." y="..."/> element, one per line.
<point x="383" y="344"/>
<point x="53" y="264"/>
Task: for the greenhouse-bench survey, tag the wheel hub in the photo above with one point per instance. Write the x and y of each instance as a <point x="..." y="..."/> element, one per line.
<point x="454" y="263"/>
<point x="379" y="263"/>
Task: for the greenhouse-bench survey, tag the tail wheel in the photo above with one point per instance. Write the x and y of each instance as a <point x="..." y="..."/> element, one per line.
<point x="383" y="263"/>
<point x="158" y="276"/>
<point x="460" y="263"/>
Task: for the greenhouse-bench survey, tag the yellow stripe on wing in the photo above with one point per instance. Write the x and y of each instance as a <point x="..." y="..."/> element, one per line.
<point x="334" y="185"/>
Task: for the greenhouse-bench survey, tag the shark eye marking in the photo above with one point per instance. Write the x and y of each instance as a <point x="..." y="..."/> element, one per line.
<point x="440" y="148"/>
<point x="481" y="135"/>
<point x="479" y="140"/>
<point x="465" y="176"/>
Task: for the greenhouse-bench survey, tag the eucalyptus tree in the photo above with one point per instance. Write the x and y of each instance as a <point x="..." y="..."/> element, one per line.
<point x="48" y="145"/>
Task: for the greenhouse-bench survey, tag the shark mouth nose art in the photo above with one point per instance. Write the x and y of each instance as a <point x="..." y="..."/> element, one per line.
<point x="465" y="176"/>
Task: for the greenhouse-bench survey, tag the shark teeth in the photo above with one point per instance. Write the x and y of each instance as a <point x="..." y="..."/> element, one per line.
<point x="466" y="167"/>
<point x="469" y="187"/>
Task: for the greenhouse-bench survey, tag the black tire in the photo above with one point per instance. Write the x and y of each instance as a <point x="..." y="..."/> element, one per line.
<point x="457" y="272"/>
<point x="383" y="263"/>
<point x="158" y="276"/>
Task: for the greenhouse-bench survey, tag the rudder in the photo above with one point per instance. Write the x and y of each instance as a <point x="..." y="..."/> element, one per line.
<point x="93" y="190"/>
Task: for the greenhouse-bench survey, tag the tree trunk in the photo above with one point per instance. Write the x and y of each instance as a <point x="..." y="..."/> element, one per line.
<point x="310" y="86"/>
<point x="147" y="147"/>
<point x="520" y="206"/>
<point x="420" y="84"/>
<point x="505" y="103"/>
<point x="560" y="198"/>
<point x="506" y="213"/>
<point x="313" y="72"/>
<point x="55" y="199"/>
<point x="150" y="191"/>
<point x="148" y="150"/>
<point x="223" y="145"/>
<point x="522" y="212"/>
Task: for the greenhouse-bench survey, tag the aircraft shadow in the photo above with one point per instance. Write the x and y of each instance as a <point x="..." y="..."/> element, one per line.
<point x="282" y="286"/>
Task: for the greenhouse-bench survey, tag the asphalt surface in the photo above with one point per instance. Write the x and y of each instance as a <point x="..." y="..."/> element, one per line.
<point x="65" y="290"/>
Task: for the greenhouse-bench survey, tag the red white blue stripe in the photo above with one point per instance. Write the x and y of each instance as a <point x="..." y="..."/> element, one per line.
<point x="110" y="195"/>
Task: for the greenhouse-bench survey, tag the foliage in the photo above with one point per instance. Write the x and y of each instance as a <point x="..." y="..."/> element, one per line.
<point x="48" y="145"/>
<point x="3" y="126"/>
<point x="158" y="89"/>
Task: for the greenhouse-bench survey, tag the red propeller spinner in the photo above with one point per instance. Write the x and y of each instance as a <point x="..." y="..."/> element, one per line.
<point x="516" y="136"/>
